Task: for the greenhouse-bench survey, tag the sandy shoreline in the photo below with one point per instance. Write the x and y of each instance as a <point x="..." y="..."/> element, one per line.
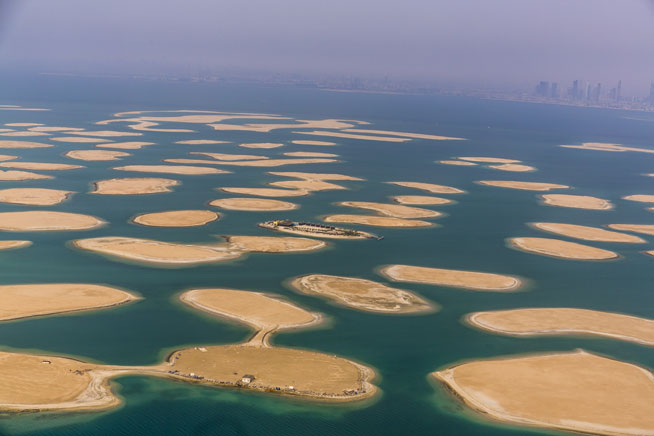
<point x="471" y="280"/>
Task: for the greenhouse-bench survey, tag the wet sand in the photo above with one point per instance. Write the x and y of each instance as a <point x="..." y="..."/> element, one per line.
<point x="39" y="166"/>
<point x="40" y="221"/>
<point x="421" y="200"/>
<point x="587" y="233"/>
<point x="23" y="144"/>
<point x="372" y="220"/>
<point x="253" y="204"/>
<point x="34" y="196"/>
<point x="576" y="391"/>
<point x="273" y="244"/>
<point x="526" y="186"/>
<point x="177" y="218"/>
<point x="561" y="249"/>
<point x="392" y="210"/>
<point x="361" y="294"/>
<point x="266" y="192"/>
<point x="565" y="321"/>
<point x="134" y="186"/>
<point x="577" y="201"/>
<point x="472" y="280"/>
<point x="25" y="301"/>
<point x="645" y="229"/>
<point x="96" y="155"/>
<point x="429" y="187"/>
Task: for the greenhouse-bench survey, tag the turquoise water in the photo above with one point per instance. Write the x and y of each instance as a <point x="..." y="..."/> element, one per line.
<point x="403" y="349"/>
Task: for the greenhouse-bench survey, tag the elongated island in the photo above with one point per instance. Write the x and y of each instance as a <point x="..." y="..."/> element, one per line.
<point x="318" y="230"/>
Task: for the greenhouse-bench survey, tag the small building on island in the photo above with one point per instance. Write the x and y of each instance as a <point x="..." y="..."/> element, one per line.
<point x="247" y="378"/>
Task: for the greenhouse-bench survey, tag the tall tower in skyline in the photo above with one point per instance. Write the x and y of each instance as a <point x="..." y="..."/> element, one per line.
<point x="651" y="92"/>
<point x="618" y="94"/>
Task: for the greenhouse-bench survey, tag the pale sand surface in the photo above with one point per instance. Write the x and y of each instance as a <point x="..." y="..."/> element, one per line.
<point x="645" y="229"/>
<point x="9" y="245"/>
<point x="302" y="124"/>
<point x="5" y="157"/>
<point x="458" y="163"/>
<point x="266" y="192"/>
<point x="96" y="155"/>
<point x="561" y="249"/>
<point x="577" y="201"/>
<point x="309" y="154"/>
<point x="172" y="169"/>
<point x="392" y="210"/>
<point x="642" y="198"/>
<point x="600" y="146"/>
<point x="562" y="321"/>
<point x="429" y="187"/>
<point x="278" y="369"/>
<point x="105" y="133"/>
<point x="54" y="129"/>
<point x="315" y="176"/>
<point x="36" y="221"/>
<point x="41" y="166"/>
<point x="156" y="252"/>
<point x="226" y="156"/>
<point x="273" y="244"/>
<point x="147" y="126"/>
<point x="513" y="168"/>
<point x="6" y="130"/>
<point x="307" y="185"/>
<point x="23" y="124"/>
<point x="130" y="145"/>
<point x="587" y="233"/>
<point x="23" y="144"/>
<point x="307" y="142"/>
<point x="371" y="220"/>
<point x="78" y="139"/>
<point x="404" y="134"/>
<point x="11" y="175"/>
<point x="361" y="294"/>
<point x="23" y="301"/>
<point x="353" y="136"/>
<point x="201" y="142"/>
<point x="255" y="163"/>
<point x="526" y="186"/>
<point x="132" y="186"/>
<point x="34" y="196"/>
<point x="177" y="218"/>
<point x="253" y="204"/>
<point x="488" y="159"/>
<point x="478" y="281"/>
<point x="262" y="145"/>
<point x="25" y="133"/>
<point x="576" y="391"/>
<point x="421" y="200"/>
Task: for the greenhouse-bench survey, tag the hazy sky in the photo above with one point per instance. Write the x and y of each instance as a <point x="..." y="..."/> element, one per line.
<point x="501" y="41"/>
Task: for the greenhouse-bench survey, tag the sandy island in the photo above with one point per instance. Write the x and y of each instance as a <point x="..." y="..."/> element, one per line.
<point x="373" y="220"/>
<point x="392" y="210"/>
<point x="498" y="160"/>
<point x="54" y="129"/>
<point x="39" y="166"/>
<point x="133" y="186"/>
<point x="25" y="133"/>
<point x="10" y="245"/>
<point x="23" y="144"/>
<point x="258" y="365"/>
<point x="34" y="196"/>
<point x="429" y="187"/>
<point x="577" y="201"/>
<point x="587" y="233"/>
<point x="253" y="204"/>
<point x="576" y="391"/>
<point x="307" y="185"/>
<point x="262" y="145"/>
<point x="645" y="229"/>
<point x="362" y="294"/>
<point x="229" y="156"/>
<point x="131" y="145"/>
<point x="266" y="192"/>
<point x="641" y="198"/>
<point x="157" y="252"/>
<point x="254" y="163"/>
<point x="177" y="218"/>
<point x="23" y="124"/>
<point x="315" y="176"/>
<point x="96" y="155"/>
<point x="561" y="249"/>
<point x="11" y="175"/>
<point x="78" y="139"/>
<point x="353" y="136"/>
<point x="172" y="169"/>
<point x="24" y="301"/>
<point x="201" y="142"/>
<point x="526" y="186"/>
<point x="308" y="142"/>
<point x="472" y="280"/>
<point x="405" y="134"/>
<point x="273" y="244"/>
<point x="4" y="157"/>
<point x="420" y="200"/>
<point x="460" y="163"/>
<point x="516" y="168"/>
<point x="564" y="321"/>
<point x="600" y="146"/>
<point x="41" y="221"/>
<point x="309" y="154"/>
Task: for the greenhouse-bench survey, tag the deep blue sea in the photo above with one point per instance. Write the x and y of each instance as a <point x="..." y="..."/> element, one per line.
<point x="403" y="349"/>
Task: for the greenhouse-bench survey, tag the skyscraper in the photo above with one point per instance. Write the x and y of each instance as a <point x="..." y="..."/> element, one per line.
<point x="543" y="89"/>
<point x="554" y="90"/>
<point x="651" y="92"/>
<point x="618" y="94"/>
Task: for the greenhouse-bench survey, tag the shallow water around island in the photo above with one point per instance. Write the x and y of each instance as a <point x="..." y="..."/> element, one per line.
<point x="403" y="349"/>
